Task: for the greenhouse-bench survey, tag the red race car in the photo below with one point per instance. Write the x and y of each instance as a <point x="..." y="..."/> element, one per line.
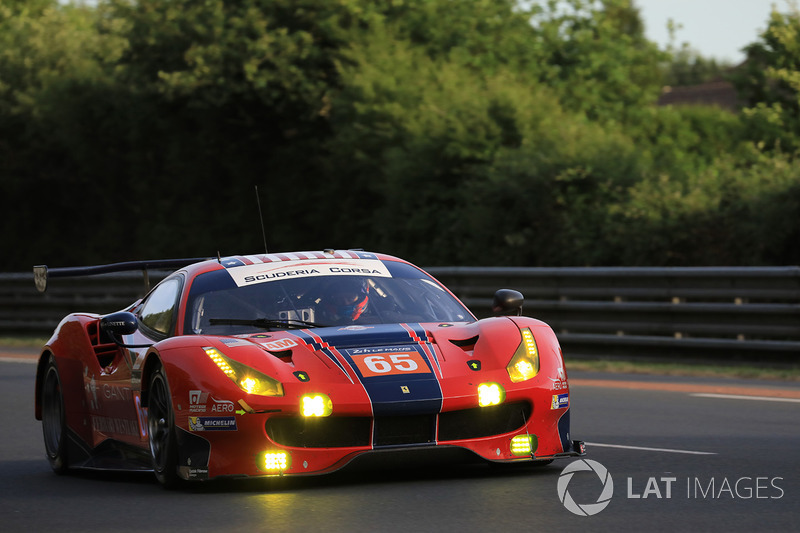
<point x="296" y="363"/>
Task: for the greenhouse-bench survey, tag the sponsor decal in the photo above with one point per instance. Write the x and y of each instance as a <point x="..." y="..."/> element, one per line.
<point x="91" y="389"/>
<point x="198" y="403"/>
<point x="278" y="345"/>
<point x="198" y="473"/>
<point x="266" y="272"/>
<point x="212" y="423"/>
<point x="119" y="426"/>
<point x="389" y="363"/>
<point x="560" y="381"/>
<point x="560" y="401"/>
<point x="380" y="349"/>
<point x="115" y="393"/>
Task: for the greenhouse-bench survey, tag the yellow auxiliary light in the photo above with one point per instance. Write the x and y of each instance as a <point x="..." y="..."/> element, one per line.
<point x="523" y="445"/>
<point x="525" y="363"/>
<point x="316" y="405"/>
<point x="490" y="394"/>
<point x="248" y="379"/>
<point x="275" y="462"/>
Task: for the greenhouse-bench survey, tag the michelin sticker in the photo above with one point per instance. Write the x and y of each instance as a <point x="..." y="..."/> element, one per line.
<point x="212" y="423"/>
<point x="265" y="272"/>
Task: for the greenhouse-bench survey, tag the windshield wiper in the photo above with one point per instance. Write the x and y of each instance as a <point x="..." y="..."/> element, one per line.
<point x="265" y="323"/>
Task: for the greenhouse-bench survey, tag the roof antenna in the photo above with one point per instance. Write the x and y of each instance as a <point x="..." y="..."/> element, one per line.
<point x="261" y="217"/>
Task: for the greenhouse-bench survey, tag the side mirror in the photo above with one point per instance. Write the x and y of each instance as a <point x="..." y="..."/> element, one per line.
<point x="507" y="302"/>
<point x="120" y="323"/>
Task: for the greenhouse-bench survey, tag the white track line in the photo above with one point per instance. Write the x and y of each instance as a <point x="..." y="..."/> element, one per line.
<point x="641" y="448"/>
<point x="743" y="397"/>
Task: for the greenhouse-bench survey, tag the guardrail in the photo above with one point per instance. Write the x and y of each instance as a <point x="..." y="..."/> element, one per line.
<point x="732" y="314"/>
<point x="727" y="314"/>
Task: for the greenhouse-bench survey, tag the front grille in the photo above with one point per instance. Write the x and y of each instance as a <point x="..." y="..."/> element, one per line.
<point x="396" y="430"/>
<point x="483" y="421"/>
<point x="346" y="431"/>
<point x="329" y="432"/>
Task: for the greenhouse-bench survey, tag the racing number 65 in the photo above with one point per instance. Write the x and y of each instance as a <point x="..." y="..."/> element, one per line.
<point x="397" y="361"/>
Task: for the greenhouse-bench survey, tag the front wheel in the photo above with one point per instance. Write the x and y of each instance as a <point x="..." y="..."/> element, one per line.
<point x="161" y="429"/>
<point x="54" y="427"/>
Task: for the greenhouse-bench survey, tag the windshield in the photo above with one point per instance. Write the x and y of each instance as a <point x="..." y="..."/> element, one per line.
<point x="218" y="306"/>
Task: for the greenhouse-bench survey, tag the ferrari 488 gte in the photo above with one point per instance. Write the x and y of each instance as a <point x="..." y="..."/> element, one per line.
<point x="296" y="363"/>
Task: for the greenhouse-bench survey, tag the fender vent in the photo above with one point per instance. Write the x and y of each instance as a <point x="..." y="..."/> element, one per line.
<point x="106" y="352"/>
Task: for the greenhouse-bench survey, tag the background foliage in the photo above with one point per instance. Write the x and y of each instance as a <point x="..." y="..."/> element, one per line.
<point x="448" y="132"/>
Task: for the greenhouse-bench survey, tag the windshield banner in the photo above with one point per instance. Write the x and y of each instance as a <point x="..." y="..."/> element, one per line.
<point x="309" y="268"/>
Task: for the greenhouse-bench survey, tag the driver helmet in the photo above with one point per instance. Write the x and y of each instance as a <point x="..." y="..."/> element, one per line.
<point x="348" y="298"/>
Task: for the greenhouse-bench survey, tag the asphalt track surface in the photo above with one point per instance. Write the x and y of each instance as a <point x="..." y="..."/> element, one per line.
<point x="683" y="454"/>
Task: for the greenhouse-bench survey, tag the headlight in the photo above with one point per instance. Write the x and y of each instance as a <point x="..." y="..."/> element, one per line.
<point x="525" y="363"/>
<point x="248" y="379"/>
<point x="316" y="405"/>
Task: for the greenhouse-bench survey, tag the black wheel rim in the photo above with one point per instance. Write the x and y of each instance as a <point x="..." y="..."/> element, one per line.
<point x="52" y="413"/>
<point x="158" y="422"/>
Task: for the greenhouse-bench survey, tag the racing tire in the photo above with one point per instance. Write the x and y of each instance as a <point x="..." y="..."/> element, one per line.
<point x="161" y="431"/>
<point x="54" y="427"/>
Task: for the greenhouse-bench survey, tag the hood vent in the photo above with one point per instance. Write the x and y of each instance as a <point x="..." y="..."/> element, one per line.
<point x="467" y="345"/>
<point x="283" y="355"/>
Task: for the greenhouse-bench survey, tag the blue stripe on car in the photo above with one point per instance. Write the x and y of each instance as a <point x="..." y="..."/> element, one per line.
<point x="396" y="394"/>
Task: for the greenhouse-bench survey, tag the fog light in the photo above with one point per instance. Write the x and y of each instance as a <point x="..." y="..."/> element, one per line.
<point x="275" y="462"/>
<point x="316" y="405"/>
<point x="490" y="394"/>
<point x="523" y="445"/>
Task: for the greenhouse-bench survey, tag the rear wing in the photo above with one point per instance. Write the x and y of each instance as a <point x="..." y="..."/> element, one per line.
<point x="41" y="273"/>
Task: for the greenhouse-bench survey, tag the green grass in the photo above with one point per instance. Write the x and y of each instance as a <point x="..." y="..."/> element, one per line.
<point x="23" y="342"/>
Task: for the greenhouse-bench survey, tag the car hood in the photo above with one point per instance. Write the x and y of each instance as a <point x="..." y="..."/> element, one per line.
<point x="403" y="368"/>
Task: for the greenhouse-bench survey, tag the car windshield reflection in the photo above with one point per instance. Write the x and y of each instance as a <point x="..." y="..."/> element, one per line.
<point x="217" y="306"/>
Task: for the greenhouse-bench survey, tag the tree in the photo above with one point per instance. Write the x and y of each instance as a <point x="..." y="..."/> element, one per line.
<point x="596" y="56"/>
<point x="770" y="82"/>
